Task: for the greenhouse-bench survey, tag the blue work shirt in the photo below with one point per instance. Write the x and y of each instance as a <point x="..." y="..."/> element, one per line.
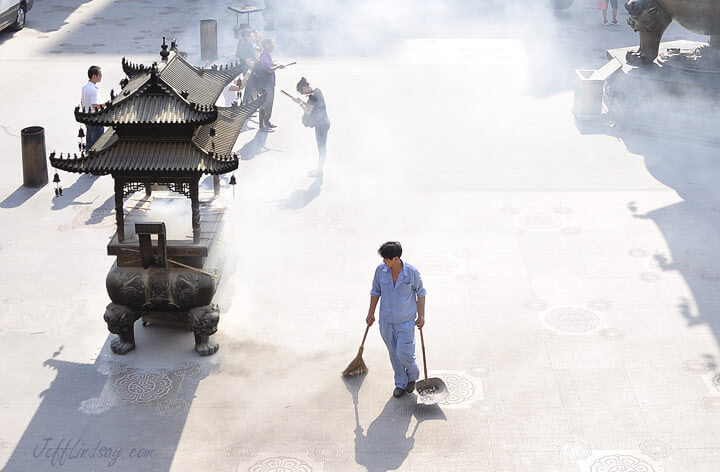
<point x="398" y="302"/>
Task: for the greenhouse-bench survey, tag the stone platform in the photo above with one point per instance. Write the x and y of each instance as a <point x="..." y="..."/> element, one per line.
<point x="663" y="99"/>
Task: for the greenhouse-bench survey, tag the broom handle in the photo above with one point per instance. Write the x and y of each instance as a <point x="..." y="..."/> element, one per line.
<point x="422" y="343"/>
<point x="364" y="336"/>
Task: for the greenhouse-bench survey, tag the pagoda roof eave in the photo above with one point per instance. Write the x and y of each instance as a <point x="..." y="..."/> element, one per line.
<point x="148" y="158"/>
<point x="226" y="128"/>
<point x="159" y="110"/>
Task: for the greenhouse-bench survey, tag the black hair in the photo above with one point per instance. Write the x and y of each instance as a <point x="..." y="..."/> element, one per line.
<point x="302" y="83"/>
<point x="390" y="250"/>
<point x="93" y="70"/>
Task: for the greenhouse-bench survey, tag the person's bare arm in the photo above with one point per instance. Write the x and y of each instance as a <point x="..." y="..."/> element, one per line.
<point x="421" y="312"/>
<point x="371" y="311"/>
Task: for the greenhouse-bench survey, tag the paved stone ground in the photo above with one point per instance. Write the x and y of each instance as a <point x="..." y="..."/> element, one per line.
<point x="573" y="277"/>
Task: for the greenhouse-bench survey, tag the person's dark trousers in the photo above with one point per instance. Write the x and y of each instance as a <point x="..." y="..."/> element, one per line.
<point x="321" y="132"/>
<point x="266" y="109"/>
<point x="92" y="135"/>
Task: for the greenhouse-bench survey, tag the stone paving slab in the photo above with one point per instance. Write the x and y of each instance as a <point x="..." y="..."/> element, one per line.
<point x="571" y="274"/>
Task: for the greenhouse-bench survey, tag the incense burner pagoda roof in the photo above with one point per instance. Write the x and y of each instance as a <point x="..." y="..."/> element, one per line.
<point x="148" y="109"/>
<point x="209" y="151"/>
<point x="164" y="122"/>
<point x="114" y="156"/>
<point x="227" y="127"/>
<point x="147" y="98"/>
<point x="203" y="86"/>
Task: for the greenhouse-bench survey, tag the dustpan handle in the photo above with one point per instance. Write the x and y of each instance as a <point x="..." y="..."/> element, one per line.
<point x="422" y="343"/>
<point x="364" y="336"/>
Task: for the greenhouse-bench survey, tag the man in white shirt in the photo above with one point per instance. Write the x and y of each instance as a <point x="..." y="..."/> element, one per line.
<point x="230" y="92"/>
<point x="89" y="101"/>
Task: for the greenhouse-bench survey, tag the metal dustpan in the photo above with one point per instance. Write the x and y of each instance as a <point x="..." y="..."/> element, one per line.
<point x="433" y="390"/>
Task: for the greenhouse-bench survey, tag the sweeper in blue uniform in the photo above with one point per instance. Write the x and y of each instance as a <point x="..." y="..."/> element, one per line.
<point x="399" y="288"/>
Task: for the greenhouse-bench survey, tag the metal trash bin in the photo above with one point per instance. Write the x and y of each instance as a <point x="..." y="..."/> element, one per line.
<point x="34" y="159"/>
<point x="208" y="40"/>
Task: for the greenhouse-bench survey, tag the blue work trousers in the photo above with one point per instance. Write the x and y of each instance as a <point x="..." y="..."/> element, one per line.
<point x="400" y="341"/>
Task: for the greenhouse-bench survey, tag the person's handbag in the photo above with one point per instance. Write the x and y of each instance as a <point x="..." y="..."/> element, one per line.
<point x="308" y="120"/>
<point x="602" y="5"/>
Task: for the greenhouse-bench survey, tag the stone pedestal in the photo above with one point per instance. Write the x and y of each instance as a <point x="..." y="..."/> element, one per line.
<point x="664" y="100"/>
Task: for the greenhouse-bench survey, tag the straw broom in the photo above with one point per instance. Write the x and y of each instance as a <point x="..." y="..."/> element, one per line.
<point x="357" y="366"/>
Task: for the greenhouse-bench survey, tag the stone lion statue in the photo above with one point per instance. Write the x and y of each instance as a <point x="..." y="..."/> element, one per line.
<point x="651" y="18"/>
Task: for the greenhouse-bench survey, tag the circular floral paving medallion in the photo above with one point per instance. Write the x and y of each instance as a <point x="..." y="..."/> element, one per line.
<point x="599" y="304"/>
<point x="487" y="410"/>
<point x="536" y="304"/>
<point x="571" y="230"/>
<point x="546" y="334"/>
<point x="460" y="389"/>
<point x="174" y="407"/>
<point x="649" y="277"/>
<point x="540" y="221"/>
<point x="280" y="464"/>
<point x="187" y="370"/>
<point x="656" y="449"/>
<point x="112" y="367"/>
<point x="437" y="265"/>
<point x="93" y="406"/>
<point x="141" y="387"/>
<point x="237" y="451"/>
<point x="573" y="320"/>
<point x="575" y="451"/>
<point x="716" y="382"/>
<point x="611" y="334"/>
<point x="695" y="366"/>
<point x="710" y="403"/>
<point x="483" y="371"/>
<point x="325" y="452"/>
<point x="621" y="463"/>
<point x="707" y="274"/>
<point x="637" y="252"/>
<point x="101" y="217"/>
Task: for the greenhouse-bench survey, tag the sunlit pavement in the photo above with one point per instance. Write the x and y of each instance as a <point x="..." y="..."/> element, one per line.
<point x="573" y="279"/>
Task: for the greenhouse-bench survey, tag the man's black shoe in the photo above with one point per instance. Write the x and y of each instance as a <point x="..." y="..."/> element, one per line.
<point x="410" y="387"/>
<point x="398" y="392"/>
<point x="270" y="125"/>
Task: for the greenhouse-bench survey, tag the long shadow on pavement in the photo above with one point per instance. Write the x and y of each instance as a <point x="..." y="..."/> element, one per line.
<point x="19" y="196"/>
<point x="386" y="444"/>
<point x="254" y="147"/>
<point x="300" y="198"/>
<point x="108" y="416"/>
<point x="70" y="194"/>
<point x="690" y="227"/>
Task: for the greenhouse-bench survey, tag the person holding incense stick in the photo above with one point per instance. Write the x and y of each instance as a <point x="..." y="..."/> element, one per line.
<point x="264" y="74"/>
<point x="315" y="117"/>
